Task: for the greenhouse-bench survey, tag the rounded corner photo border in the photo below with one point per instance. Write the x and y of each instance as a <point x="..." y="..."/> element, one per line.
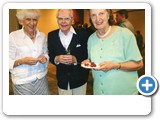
<point x="94" y="104"/>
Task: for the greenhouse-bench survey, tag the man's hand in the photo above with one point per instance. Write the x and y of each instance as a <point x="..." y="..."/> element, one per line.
<point x="66" y="59"/>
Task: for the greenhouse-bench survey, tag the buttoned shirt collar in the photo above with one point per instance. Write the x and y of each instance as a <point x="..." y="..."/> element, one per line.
<point x="70" y="31"/>
<point x="24" y="35"/>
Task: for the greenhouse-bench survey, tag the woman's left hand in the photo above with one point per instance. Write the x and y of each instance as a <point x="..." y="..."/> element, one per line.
<point x="42" y="59"/>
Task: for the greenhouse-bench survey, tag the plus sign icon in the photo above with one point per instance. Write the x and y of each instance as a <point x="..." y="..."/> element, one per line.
<point x="147" y="85"/>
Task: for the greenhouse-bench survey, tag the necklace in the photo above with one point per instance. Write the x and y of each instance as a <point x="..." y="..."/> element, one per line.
<point x="102" y="36"/>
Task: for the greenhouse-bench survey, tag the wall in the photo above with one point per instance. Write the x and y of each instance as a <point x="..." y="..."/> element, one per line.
<point x="13" y="23"/>
<point x="86" y="18"/>
<point x="137" y="18"/>
<point x="48" y="20"/>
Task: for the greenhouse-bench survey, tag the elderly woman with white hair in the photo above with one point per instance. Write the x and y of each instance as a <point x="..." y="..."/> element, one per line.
<point x="28" y="55"/>
<point x="115" y="51"/>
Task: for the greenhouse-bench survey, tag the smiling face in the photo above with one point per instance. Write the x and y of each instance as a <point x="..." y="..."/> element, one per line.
<point x="28" y="18"/>
<point x="99" y="18"/>
<point x="65" y="20"/>
<point x="29" y="24"/>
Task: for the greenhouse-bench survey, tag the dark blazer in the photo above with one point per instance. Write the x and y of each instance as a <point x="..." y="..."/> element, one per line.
<point x="74" y="74"/>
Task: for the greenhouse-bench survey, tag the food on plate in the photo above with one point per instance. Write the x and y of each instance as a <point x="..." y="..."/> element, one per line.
<point x="86" y="64"/>
<point x="90" y="64"/>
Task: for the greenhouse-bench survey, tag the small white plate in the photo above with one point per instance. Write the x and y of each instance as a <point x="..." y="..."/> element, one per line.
<point x="89" y="67"/>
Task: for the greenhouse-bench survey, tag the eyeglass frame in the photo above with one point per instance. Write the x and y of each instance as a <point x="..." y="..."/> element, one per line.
<point x="64" y="19"/>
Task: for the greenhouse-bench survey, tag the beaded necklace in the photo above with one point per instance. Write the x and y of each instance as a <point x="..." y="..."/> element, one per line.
<point x="102" y="36"/>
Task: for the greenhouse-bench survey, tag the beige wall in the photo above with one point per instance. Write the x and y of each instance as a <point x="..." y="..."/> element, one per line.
<point x="86" y="18"/>
<point x="138" y="21"/>
<point x="13" y="23"/>
<point x="48" y="21"/>
<point x="137" y="18"/>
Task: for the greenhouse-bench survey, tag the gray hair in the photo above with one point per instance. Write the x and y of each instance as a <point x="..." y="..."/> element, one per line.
<point x="71" y="12"/>
<point x="22" y="13"/>
<point x="110" y="14"/>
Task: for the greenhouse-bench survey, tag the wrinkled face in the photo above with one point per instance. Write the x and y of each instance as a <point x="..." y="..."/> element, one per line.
<point x="99" y="18"/>
<point x="118" y="18"/>
<point x="64" y="20"/>
<point x="29" y="24"/>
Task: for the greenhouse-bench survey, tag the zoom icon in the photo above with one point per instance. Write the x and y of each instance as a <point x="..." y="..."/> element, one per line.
<point x="147" y="85"/>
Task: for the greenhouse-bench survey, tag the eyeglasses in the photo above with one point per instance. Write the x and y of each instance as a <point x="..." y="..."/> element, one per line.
<point x="65" y="19"/>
